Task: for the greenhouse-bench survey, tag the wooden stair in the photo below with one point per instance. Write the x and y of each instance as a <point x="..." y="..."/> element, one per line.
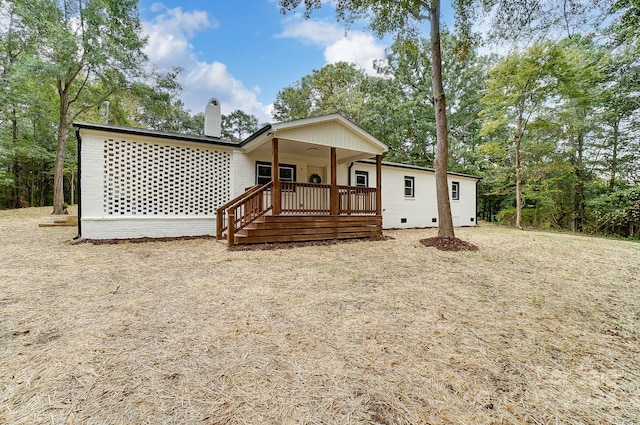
<point x="302" y="228"/>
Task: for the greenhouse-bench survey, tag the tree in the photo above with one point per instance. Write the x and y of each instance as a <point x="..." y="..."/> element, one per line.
<point x="519" y="88"/>
<point x="512" y="19"/>
<point x="404" y="17"/>
<point x="335" y="88"/>
<point x="80" y="43"/>
<point x="621" y="122"/>
<point x="626" y="28"/>
<point x="413" y="139"/>
<point x="27" y="142"/>
<point x="293" y="102"/>
<point x="621" y="100"/>
<point x="238" y="125"/>
<point x="580" y="72"/>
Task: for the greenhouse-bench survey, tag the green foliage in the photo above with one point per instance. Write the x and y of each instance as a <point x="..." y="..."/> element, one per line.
<point x="408" y="69"/>
<point x="59" y="62"/>
<point x="6" y="180"/>
<point x="616" y="213"/>
<point x="86" y="50"/>
<point x="154" y="104"/>
<point x="238" y="125"/>
<point x="335" y="88"/>
<point x="626" y="28"/>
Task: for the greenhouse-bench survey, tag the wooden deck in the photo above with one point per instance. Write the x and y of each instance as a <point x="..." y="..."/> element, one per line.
<point x="283" y="211"/>
<point x="299" y="228"/>
<point x="305" y="215"/>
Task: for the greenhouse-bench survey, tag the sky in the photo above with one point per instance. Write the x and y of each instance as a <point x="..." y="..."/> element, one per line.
<point x="243" y="52"/>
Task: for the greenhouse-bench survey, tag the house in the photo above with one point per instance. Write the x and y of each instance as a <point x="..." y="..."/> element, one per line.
<point x="330" y="183"/>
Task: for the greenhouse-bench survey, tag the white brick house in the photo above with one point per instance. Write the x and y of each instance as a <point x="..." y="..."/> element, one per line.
<point x="137" y="183"/>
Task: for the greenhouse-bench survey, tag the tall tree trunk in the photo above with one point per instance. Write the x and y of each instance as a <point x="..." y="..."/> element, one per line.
<point x="42" y="194"/>
<point x="518" y="186"/>
<point x="17" y="184"/>
<point x="445" y="221"/>
<point x="73" y="186"/>
<point x="579" y="207"/>
<point x="518" y="180"/>
<point x="58" y="175"/>
<point x="614" y="156"/>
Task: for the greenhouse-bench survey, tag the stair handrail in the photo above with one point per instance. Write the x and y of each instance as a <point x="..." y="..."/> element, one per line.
<point x="221" y="224"/>
<point x="251" y="206"/>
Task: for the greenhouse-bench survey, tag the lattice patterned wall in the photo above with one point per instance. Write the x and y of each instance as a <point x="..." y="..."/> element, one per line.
<point x="154" y="179"/>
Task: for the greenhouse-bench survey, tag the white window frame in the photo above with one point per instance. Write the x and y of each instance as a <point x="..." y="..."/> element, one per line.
<point x="455" y="191"/>
<point x="411" y="187"/>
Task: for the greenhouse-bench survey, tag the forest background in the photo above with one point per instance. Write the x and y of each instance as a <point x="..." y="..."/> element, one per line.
<point x="560" y="108"/>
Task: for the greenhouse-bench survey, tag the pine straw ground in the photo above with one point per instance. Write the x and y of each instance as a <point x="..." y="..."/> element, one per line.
<point x="534" y="328"/>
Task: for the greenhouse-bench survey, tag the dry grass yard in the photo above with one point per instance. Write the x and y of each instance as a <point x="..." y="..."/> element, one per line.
<point x="534" y="328"/>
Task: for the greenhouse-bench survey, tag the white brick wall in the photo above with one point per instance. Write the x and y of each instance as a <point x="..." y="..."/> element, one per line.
<point x="133" y="186"/>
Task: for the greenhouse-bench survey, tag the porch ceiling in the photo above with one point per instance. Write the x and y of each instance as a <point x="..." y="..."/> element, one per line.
<point x="321" y="153"/>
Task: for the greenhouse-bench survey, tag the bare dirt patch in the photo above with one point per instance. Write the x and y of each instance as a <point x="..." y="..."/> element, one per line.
<point x="533" y="328"/>
<point x="448" y="244"/>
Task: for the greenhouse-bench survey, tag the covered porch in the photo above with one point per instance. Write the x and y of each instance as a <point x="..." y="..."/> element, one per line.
<point x="282" y="210"/>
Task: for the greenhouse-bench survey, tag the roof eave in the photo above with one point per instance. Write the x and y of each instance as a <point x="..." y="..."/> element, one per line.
<point x="152" y="133"/>
<point x="417" y="167"/>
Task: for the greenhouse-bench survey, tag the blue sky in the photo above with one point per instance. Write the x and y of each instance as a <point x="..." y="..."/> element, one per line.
<point x="244" y="51"/>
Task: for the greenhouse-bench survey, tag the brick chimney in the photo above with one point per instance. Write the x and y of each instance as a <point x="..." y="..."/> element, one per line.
<point x="213" y="119"/>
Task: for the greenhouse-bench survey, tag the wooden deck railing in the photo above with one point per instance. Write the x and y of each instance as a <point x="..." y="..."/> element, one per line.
<point x="305" y="198"/>
<point x="297" y="198"/>
<point x="308" y="198"/>
<point x="357" y="200"/>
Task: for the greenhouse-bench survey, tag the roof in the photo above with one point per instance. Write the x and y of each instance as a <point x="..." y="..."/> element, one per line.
<point x="325" y="131"/>
<point x="154" y="133"/>
<point x="417" y="167"/>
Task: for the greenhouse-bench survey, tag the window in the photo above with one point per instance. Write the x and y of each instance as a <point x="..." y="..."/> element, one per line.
<point x="263" y="172"/>
<point x="409" y="186"/>
<point x="455" y="191"/>
<point x="362" y="178"/>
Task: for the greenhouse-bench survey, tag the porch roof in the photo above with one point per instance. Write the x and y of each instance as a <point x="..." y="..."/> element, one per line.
<point x="315" y="137"/>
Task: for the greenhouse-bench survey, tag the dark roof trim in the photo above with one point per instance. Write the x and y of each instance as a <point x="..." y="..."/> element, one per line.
<point x="416" y="167"/>
<point x="256" y="134"/>
<point x="153" y="133"/>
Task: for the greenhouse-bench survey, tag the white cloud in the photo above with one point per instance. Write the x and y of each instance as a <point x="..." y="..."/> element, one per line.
<point x="314" y="32"/>
<point x="353" y="46"/>
<point x="207" y="80"/>
<point x="175" y="19"/>
<point x="360" y="48"/>
<point x="169" y="33"/>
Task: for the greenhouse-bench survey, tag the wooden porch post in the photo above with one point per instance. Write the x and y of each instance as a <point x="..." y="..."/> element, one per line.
<point x="231" y="227"/>
<point x="276" y="196"/>
<point x="334" y="196"/>
<point x="379" y="185"/>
